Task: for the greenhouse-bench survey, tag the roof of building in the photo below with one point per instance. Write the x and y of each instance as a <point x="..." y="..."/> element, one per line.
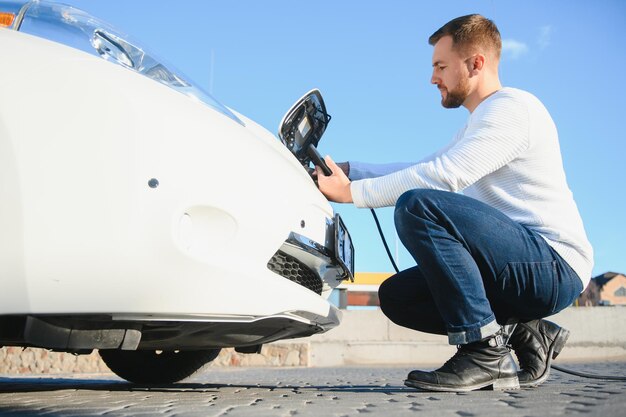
<point x="602" y="279"/>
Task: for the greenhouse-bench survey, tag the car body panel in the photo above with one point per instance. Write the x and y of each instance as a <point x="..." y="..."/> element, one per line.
<point x="123" y="198"/>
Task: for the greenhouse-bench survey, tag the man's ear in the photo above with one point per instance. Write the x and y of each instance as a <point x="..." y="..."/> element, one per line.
<point x="476" y="64"/>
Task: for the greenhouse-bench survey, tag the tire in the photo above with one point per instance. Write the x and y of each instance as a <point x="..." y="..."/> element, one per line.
<point x="156" y="367"/>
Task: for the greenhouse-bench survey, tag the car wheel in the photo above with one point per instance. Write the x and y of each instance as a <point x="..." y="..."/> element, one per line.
<point x="155" y="366"/>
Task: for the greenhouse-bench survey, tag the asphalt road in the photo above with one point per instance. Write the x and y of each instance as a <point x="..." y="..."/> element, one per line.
<point x="346" y="391"/>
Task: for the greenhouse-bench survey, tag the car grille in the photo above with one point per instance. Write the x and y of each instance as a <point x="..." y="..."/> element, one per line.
<point x="289" y="267"/>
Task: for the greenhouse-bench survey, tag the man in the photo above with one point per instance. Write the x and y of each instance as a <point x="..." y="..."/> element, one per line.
<point x="510" y="250"/>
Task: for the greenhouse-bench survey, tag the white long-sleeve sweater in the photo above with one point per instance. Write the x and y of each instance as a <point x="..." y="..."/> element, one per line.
<point x="508" y="156"/>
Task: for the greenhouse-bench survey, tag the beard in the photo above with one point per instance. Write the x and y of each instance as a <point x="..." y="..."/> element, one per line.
<point x="456" y="97"/>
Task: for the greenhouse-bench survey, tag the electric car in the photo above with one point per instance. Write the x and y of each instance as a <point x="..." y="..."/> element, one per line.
<point x="133" y="218"/>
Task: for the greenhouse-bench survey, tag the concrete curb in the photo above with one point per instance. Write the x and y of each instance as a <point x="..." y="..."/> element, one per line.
<point x="365" y="337"/>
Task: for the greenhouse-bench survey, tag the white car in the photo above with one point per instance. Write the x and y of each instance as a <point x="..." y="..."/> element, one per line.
<point x="141" y="217"/>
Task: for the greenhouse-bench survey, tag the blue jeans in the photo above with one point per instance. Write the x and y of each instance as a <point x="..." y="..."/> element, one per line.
<point x="476" y="269"/>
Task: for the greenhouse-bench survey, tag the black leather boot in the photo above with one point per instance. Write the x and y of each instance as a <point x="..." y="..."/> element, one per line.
<point x="484" y="364"/>
<point x="535" y="344"/>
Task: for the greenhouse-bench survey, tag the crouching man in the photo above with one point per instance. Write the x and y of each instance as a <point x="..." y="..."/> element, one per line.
<point x="510" y="250"/>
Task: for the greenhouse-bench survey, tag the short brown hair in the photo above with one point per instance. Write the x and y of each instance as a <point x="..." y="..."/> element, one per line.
<point x="470" y="34"/>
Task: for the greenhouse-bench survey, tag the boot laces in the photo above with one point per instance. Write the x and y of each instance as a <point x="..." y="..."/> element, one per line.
<point x="450" y="364"/>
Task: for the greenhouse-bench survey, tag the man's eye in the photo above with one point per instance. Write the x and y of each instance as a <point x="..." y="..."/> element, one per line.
<point x="442" y="68"/>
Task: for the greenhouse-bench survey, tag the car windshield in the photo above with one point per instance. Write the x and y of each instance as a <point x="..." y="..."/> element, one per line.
<point x="78" y="29"/>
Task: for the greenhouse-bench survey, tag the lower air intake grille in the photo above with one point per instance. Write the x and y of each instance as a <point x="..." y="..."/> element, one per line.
<point x="289" y="267"/>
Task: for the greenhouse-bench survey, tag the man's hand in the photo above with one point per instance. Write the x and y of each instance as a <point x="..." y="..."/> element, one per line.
<point x="336" y="187"/>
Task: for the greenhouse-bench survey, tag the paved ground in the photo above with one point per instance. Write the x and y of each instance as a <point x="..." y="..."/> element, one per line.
<point x="306" y="392"/>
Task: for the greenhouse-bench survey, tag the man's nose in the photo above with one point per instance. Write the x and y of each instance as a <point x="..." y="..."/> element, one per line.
<point x="434" y="79"/>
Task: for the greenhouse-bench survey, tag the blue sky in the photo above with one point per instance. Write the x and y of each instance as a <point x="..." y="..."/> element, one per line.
<point x="372" y="62"/>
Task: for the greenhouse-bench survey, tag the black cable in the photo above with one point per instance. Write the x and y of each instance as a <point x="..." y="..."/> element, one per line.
<point x="382" y="236"/>
<point x="558" y="368"/>
<point x="587" y="375"/>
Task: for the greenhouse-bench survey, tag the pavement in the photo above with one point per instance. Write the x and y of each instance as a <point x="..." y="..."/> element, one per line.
<point x="333" y="391"/>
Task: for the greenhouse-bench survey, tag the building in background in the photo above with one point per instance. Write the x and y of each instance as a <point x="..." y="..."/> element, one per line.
<point x="360" y="294"/>
<point x="606" y="289"/>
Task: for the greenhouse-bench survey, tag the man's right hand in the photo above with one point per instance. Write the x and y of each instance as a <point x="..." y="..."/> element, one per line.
<point x="336" y="187"/>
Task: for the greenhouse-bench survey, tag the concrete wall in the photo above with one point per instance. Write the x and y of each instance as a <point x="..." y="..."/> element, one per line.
<point x="364" y="337"/>
<point x="368" y="337"/>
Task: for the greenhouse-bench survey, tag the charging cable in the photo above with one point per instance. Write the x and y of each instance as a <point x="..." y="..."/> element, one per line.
<point x="382" y="237"/>
<point x="558" y="368"/>
<point x="588" y="375"/>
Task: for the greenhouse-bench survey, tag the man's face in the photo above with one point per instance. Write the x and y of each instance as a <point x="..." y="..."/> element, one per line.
<point x="450" y="74"/>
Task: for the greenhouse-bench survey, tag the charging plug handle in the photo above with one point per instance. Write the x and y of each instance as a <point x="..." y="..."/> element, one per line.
<point x="317" y="159"/>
